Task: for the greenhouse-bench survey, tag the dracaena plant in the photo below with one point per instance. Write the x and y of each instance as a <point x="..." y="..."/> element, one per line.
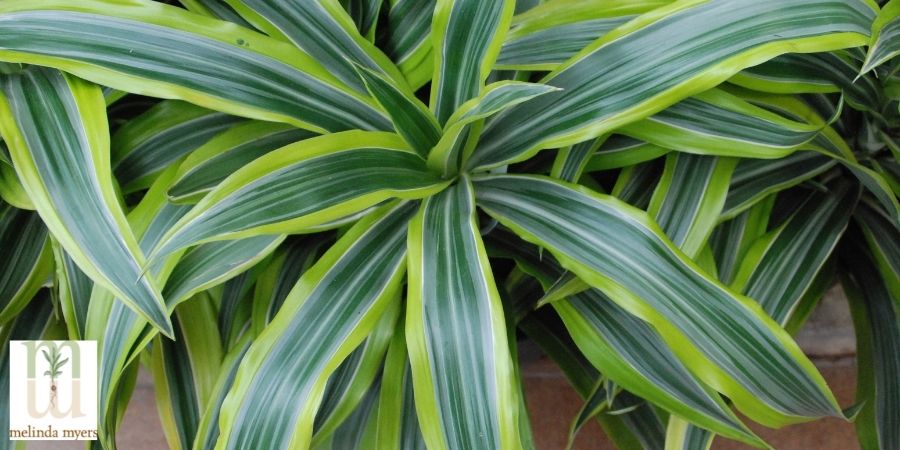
<point x="344" y="216"/>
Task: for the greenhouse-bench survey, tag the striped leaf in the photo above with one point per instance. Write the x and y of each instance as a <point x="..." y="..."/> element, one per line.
<point x="455" y="331"/>
<point x="467" y="35"/>
<point x="11" y="189"/>
<point x="218" y="9"/>
<point x="689" y="198"/>
<point x="547" y="35"/>
<point x="352" y="380"/>
<point x="411" y="117"/>
<point x="877" y="227"/>
<point x="622" y="151"/>
<point x="571" y="162"/>
<point x="781" y="267"/>
<point x="227" y="152"/>
<point x="27" y="261"/>
<point x="732" y="239"/>
<point x="407" y="39"/>
<point x="324" y="30"/>
<point x="185" y="371"/>
<point x="676" y="51"/>
<point x="276" y="392"/>
<point x="398" y="424"/>
<point x="364" y="14"/>
<point x="74" y="293"/>
<point x="208" y="428"/>
<point x="718" y="123"/>
<point x="57" y="126"/>
<point x="885" y="42"/>
<point x="681" y="435"/>
<point x="876" y="318"/>
<point x="146" y="145"/>
<point x="128" y="46"/>
<point x="620" y="251"/>
<point x="361" y="428"/>
<point x="305" y="185"/>
<point x="755" y="179"/>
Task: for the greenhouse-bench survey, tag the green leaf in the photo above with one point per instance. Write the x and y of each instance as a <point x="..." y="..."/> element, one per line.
<point x="455" y="330"/>
<point x="129" y="46"/>
<point x="74" y="293"/>
<point x="681" y="435"/>
<point x="218" y="9"/>
<point x="732" y="239"/>
<point x="280" y="383"/>
<point x="571" y="162"/>
<point x="408" y="43"/>
<point x="885" y="42"/>
<point x="60" y="146"/>
<point x="11" y="189"/>
<point x="781" y="267"/>
<point x="619" y="250"/>
<point x="364" y="14"/>
<point x="227" y="152"/>
<point x="877" y="227"/>
<point x="622" y="151"/>
<point x="411" y="117"/>
<point x="467" y="35"/>
<point x="398" y="424"/>
<point x="877" y="323"/>
<point x="689" y="197"/>
<point x="208" y="428"/>
<point x="27" y="263"/>
<point x="675" y="51"/>
<point x="548" y="34"/>
<point x="289" y="190"/>
<point x="324" y="30"/>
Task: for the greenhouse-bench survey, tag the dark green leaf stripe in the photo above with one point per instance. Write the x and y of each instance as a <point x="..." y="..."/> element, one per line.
<point x="27" y="261"/>
<point x="455" y="330"/>
<point x="411" y="117"/>
<point x="650" y="74"/>
<point x="549" y="34"/>
<point x="876" y="318"/>
<point x="885" y="36"/>
<point x="364" y="14"/>
<point x="61" y="153"/>
<point x="156" y="49"/>
<point x="623" y="151"/>
<point x="148" y="144"/>
<point x="754" y="179"/>
<point x="782" y="266"/>
<point x="408" y="42"/>
<point x="619" y="250"/>
<point x="304" y="185"/>
<point x="467" y="38"/>
<point x="689" y="198"/>
<point x="324" y="30"/>
<point x="278" y="388"/>
<point x="227" y="152"/>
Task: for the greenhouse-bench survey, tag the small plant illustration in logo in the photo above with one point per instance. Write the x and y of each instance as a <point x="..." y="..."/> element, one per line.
<point x="54" y="371"/>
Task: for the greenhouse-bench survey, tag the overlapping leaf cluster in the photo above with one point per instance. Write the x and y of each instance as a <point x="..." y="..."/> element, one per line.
<point x="329" y="224"/>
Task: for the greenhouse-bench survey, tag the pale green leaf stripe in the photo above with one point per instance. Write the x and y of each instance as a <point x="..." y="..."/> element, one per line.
<point x="408" y="42"/>
<point x="218" y="9"/>
<point x="467" y="35"/>
<point x="206" y="265"/>
<point x="681" y="435"/>
<point x="304" y="185"/>
<point x="332" y="308"/>
<point x="27" y="261"/>
<point x="689" y="197"/>
<point x="146" y="145"/>
<point x="782" y="266"/>
<point x="754" y="179"/>
<point x="324" y="30"/>
<point x="61" y="152"/>
<point x="876" y="318"/>
<point x="623" y="151"/>
<point x="885" y="37"/>
<point x="364" y="14"/>
<point x="618" y="249"/>
<point x="227" y="152"/>
<point x="455" y="330"/>
<point x="548" y="34"/>
<point x="878" y="227"/>
<point x="74" y="293"/>
<point x="642" y="67"/>
<point x="718" y="123"/>
<point x="411" y="118"/>
<point x="159" y="50"/>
